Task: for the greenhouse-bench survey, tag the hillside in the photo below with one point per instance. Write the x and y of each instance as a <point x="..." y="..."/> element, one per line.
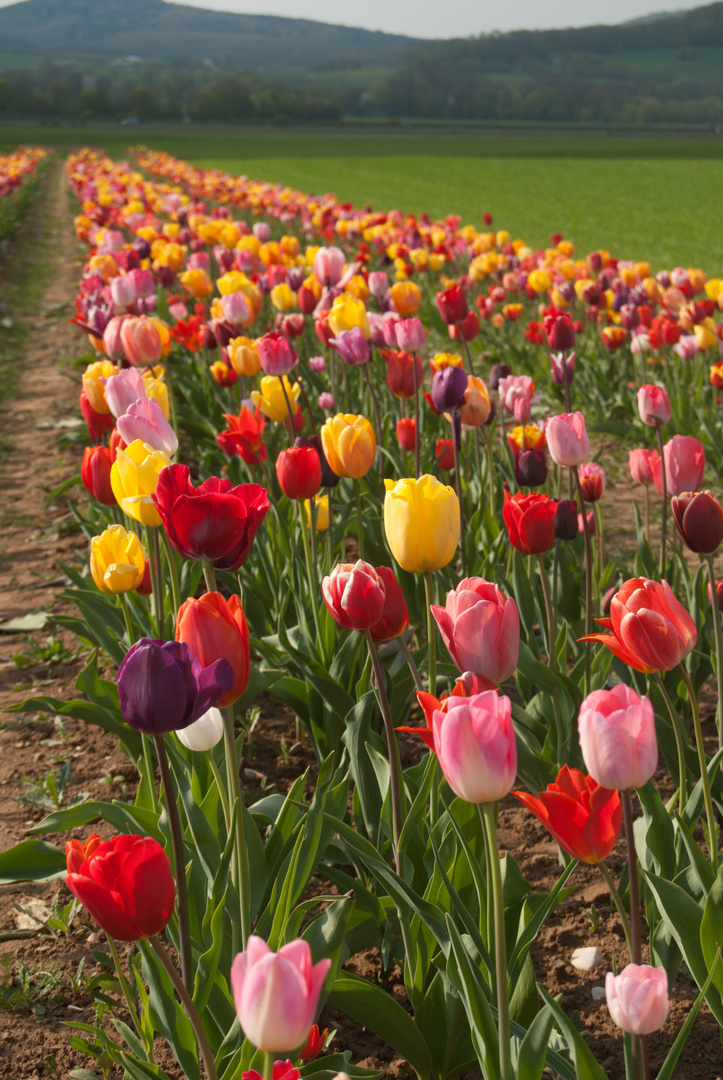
<point x="154" y="30"/>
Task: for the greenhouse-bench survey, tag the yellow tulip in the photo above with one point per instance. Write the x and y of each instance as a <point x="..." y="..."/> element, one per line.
<point x="358" y="288"/>
<point x="282" y="297"/>
<point x="406" y="297"/>
<point x="197" y="283"/>
<point x="713" y="289"/>
<point x="705" y="334"/>
<point x="349" y="444"/>
<point x="157" y="389"/>
<point x="421" y="520"/>
<point x="133" y="478"/>
<point x="476" y="407"/>
<point x="697" y="279"/>
<point x="443" y="360"/>
<point x="94" y="388"/>
<point x="321" y="510"/>
<point x="290" y="246"/>
<point x="539" y="280"/>
<point x="117" y="560"/>
<point x="164" y="334"/>
<point x="271" y="400"/>
<point x="346" y="313"/>
<point x="105" y="265"/>
<point x="502" y="238"/>
<point x="243" y="356"/>
<point x="232" y="282"/>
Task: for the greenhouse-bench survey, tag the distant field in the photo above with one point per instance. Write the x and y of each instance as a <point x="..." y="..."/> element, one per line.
<point x="639" y="197"/>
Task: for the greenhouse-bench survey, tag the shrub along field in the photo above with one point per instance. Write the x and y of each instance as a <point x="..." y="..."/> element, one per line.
<point x="644" y="197"/>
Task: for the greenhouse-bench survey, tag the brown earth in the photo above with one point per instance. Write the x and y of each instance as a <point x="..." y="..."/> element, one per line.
<point x="35" y="540"/>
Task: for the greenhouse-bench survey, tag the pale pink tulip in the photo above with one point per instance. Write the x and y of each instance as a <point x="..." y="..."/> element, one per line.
<point x="687" y="347"/>
<point x="123" y="390"/>
<point x="378" y="283"/>
<point x="513" y="387"/>
<point x="653" y="405"/>
<point x="410" y="335"/>
<point x="617" y="737"/>
<point x="141" y="341"/>
<point x="317" y="363"/>
<point x="262" y="231"/>
<point x="277" y="994"/>
<point x="236" y="308"/>
<point x="641" y="465"/>
<point x="328" y="265"/>
<point x="143" y="283"/>
<point x="481" y="628"/>
<point x="684" y="465"/>
<point x="112" y="344"/>
<point x="199" y="260"/>
<point x="144" y="420"/>
<point x="638" y="998"/>
<point x="122" y="291"/>
<point x="475" y="743"/>
<point x="567" y="439"/>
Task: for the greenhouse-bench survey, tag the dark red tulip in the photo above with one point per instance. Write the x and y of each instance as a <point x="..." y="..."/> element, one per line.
<point x="95" y="474"/>
<point x="530" y="521"/>
<point x="395" y="617"/>
<point x="699" y="517"/>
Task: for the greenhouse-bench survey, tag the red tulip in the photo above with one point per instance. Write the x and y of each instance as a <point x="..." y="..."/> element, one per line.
<point x="559" y="331"/>
<point x="430" y="704"/>
<point x="244" y="436"/>
<point x="354" y="594"/>
<point x="651" y="630"/>
<point x="530" y="521"/>
<point x="98" y="423"/>
<point x="583" y="817"/>
<point x="95" y="474"/>
<point x="216" y="629"/>
<point x="314" y="1043"/>
<point x="395" y="617"/>
<point x="684" y="465"/>
<point x="125" y="884"/>
<point x="400" y="372"/>
<point x="299" y="472"/>
<point x="444" y="453"/>
<point x="452" y="304"/>
<point x="215" y="521"/>
<point x="699" y="518"/>
<point x="466" y="330"/>
<point x="406" y="428"/>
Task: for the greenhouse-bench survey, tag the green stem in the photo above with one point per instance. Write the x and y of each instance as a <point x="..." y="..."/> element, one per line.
<point x="241" y="859"/>
<point x="395" y="768"/>
<point x="127" y="619"/>
<point x="458" y="488"/>
<point x="646" y="489"/>
<point x="190" y="1008"/>
<point x="359" y="518"/>
<point x="221" y="789"/>
<point x="377" y="417"/>
<point x="411" y="663"/>
<point x="416" y="415"/>
<point x="431" y="633"/>
<point x="125" y="987"/>
<point x="588" y="581"/>
<point x="146" y="742"/>
<point x="311" y="572"/>
<point x="154" y="583"/>
<point x="636" y="948"/>
<point x="288" y="409"/>
<point x="268" y="1065"/>
<point x="551" y="628"/>
<point x="179" y="863"/>
<point x="718" y="646"/>
<point x="490" y="467"/>
<point x="209" y="575"/>
<point x="171" y="560"/>
<point x="158" y="584"/>
<point x="679" y="744"/>
<point x="487" y="813"/>
<point x="664" y="482"/>
<point x="617" y="901"/>
<point x="712" y="831"/>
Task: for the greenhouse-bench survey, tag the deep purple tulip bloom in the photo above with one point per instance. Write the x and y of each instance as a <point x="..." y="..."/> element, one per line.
<point x="566" y="523"/>
<point x="162" y="686"/>
<point x="448" y="388"/>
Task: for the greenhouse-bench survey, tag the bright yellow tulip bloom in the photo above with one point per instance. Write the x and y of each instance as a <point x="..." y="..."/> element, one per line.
<point x="271" y="400"/>
<point x="406" y="297"/>
<point x="321" y="510"/>
<point x="197" y="283"/>
<point x="243" y="357"/>
<point x="348" y="312"/>
<point x="282" y="297"/>
<point x="117" y="560"/>
<point x="133" y="478"/>
<point x="421" y="520"/>
<point x="349" y="444"/>
<point x="94" y="388"/>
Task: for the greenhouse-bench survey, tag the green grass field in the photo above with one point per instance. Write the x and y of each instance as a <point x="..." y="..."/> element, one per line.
<point x="647" y="196"/>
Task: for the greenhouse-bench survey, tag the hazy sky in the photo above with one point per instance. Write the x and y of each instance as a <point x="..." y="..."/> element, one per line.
<point x="451" y="18"/>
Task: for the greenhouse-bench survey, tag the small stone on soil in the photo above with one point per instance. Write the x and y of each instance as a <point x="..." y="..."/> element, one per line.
<point x="586" y="959"/>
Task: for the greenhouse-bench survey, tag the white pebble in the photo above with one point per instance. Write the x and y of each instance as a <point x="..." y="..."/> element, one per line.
<point x="598" y="993"/>
<point x="586" y="959"/>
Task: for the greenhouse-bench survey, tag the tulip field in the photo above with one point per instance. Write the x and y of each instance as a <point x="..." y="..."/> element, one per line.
<point x="447" y="503"/>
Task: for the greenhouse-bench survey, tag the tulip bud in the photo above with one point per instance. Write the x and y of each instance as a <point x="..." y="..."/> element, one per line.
<point x="406" y="433"/>
<point x="299" y="472"/>
<point x="475" y="744"/>
<point x="592" y="481"/>
<point x="617" y="737"/>
<point x="497" y="373"/>
<point x="653" y="405"/>
<point x="444" y="453"/>
<point x="410" y="334"/>
<point x="638" y="998"/>
<point x="452" y="304"/>
<point x="699" y="517"/>
<point x="203" y="734"/>
<point x="531" y="468"/>
<point x="559" y="331"/>
<point x="216" y="629"/>
<point x="640" y="463"/>
<point x="567" y="439"/>
<point x="566" y="519"/>
<point x="352" y="346"/>
<point x="354" y="594"/>
<point x="95" y="474"/>
<point x="277" y="355"/>
<point x="562" y="368"/>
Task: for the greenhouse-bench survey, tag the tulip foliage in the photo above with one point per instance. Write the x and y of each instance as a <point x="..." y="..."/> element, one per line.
<point x="296" y="487"/>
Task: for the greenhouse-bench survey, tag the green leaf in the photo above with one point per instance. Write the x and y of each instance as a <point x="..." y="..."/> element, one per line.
<point x="464" y="975"/>
<point x="711" y="926"/>
<point x="586" y="1067"/>
<point x="531" y="1061"/>
<point x="31" y="860"/>
<point x="377" y="1010"/>
<point x="536" y="672"/>
<point x="168" y="1015"/>
<point x="668" y="1066"/>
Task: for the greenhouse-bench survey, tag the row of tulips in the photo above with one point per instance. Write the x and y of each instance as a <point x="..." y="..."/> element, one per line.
<point x="352" y="646"/>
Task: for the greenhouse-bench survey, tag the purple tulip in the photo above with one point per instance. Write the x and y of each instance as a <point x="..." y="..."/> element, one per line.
<point x="448" y="388"/>
<point x="162" y="686"/>
<point x="352" y="346"/>
<point x="559" y="362"/>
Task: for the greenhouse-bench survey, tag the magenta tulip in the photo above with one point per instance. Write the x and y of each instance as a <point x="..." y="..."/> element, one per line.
<point x="475" y="743"/>
<point x="277" y="355"/>
<point x="352" y="346"/>
<point x="277" y="994"/>
<point x="617" y="737"/>
<point x="481" y="628"/>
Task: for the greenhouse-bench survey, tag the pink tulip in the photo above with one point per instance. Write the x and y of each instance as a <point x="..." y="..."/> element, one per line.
<point x="178" y="310"/>
<point x="567" y="439"/>
<point x="141" y="341"/>
<point x="326" y="401"/>
<point x="641" y="465"/>
<point x="513" y="387"/>
<point x="277" y="355"/>
<point x="236" y="308"/>
<point x="352" y="346"/>
<point x="410" y="335"/>
<point x="123" y="390"/>
<point x="475" y="742"/>
<point x="378" y="283"/>
<point x="277" y="994"/>
<point x="481" y="628"/>
<point x="144" y="420"/>
<point x="653" y="405"/>
<point x="376" y="329"/>
<point x="355" y="595"/>
<point x="112" y="344"/>
<point x="143" y="283"/>
<point x="687" y="347"/>
<point x="638" y="998"/>
<point x="328" y="265"/>
<point x="389" y="321"/>
<point x="122" y="291"/>
<point x="200" y="260"/>
<point x="317" y="363"/>
<point x="521" y="408"/>
<point x="617" y="737"/>
<point x="684" y="465"/>
<point x="262" y="231"/>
